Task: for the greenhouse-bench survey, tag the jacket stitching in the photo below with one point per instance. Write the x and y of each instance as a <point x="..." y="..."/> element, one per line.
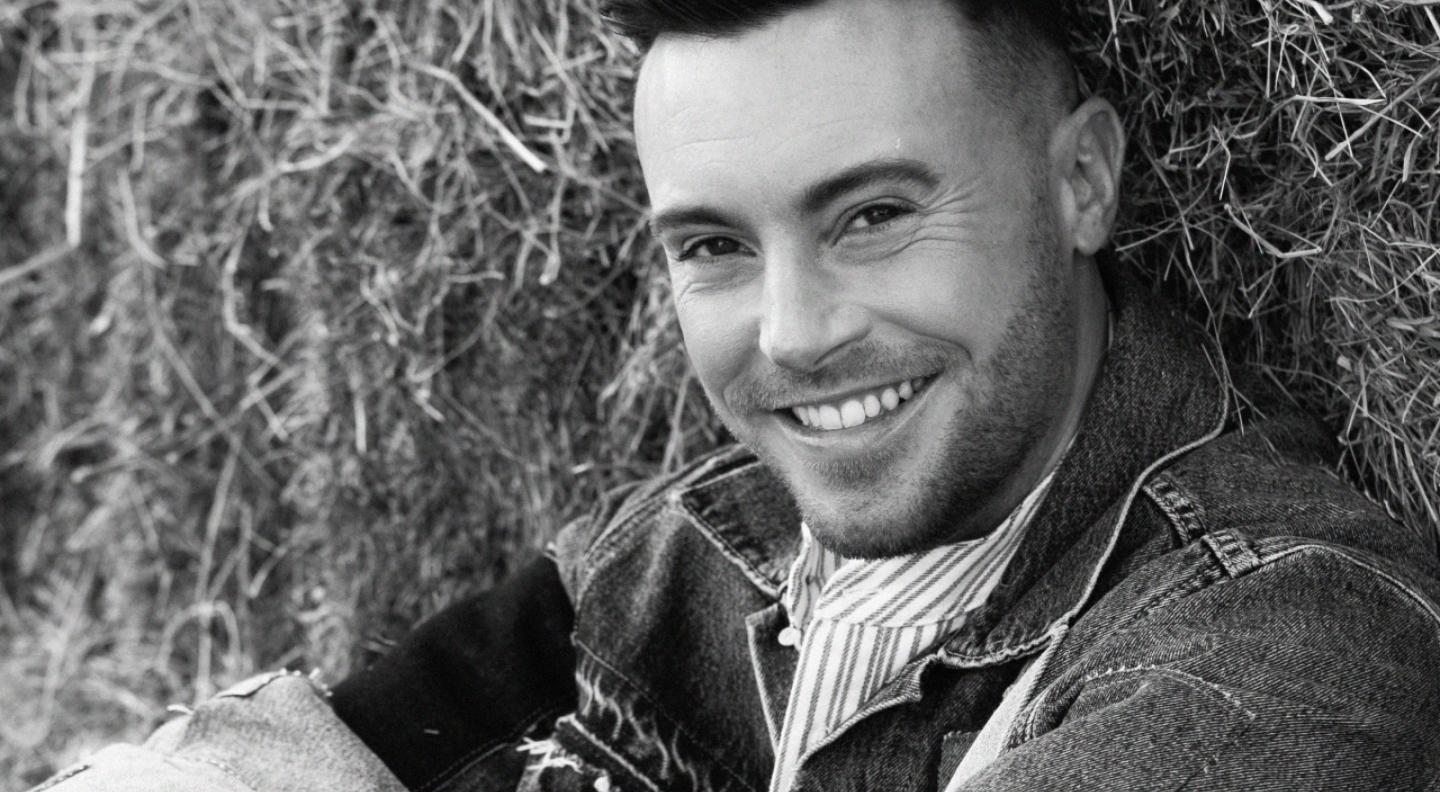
<point x="746" y="468"/>
<point x="756" y="575"/>
<point x="1065" y="619"/>
<point x="641" y="691"/>
<point x="996" y="657"/>
<point x="1095" y="676"/>
<point x="598" y="550"/>
<point x="613" y="755"/>
<point x="603" y="549"/>
<point x="221" y="766"/>
<point x="1031" y="726"/>
<point x="1231" y="550"/>
<point x="1204" y="769"/>
<point x="1199" y="580"/>
<point x="1420" y="601"/>
<point x="1216" y="429"/>
<point x="1178" y="505"/>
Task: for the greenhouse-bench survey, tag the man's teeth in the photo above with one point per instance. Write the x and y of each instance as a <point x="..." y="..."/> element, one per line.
<point x="856" y="411"/>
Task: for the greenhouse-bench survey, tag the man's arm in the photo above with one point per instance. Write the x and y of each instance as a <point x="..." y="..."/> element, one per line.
<point x="1313" y="671"/>
<point x="457" y="695"/>
<point x="450" y="703"/>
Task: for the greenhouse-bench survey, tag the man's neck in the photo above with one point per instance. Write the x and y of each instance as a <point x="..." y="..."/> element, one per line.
<point x="1092" y="339"/>
<point x="1090" y="342"/>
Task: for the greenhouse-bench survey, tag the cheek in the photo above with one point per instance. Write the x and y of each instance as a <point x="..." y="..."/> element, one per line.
<point x="718" y="340"/>
<point x="962" y="296"/>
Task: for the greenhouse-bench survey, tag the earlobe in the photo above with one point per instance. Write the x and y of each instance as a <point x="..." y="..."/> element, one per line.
<point x="1090" y="149"/>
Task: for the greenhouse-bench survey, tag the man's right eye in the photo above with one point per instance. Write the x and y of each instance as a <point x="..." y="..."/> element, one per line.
<point x="710" y="247"/>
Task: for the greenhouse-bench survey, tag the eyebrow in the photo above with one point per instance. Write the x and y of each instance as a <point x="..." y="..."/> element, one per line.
<point x="815" y="197"/>
<point x="890" y="170"/>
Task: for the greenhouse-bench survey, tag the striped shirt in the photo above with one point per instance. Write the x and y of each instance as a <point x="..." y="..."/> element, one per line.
<point x="859" y="622"/>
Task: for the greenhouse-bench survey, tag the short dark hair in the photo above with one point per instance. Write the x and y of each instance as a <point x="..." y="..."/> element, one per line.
<point x="1023" y="36"/>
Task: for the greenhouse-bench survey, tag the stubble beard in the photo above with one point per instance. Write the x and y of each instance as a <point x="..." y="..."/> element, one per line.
<point x="1009" y="404"/>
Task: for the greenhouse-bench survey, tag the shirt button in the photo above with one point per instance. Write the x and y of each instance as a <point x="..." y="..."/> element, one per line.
<point x="789" y="637"/>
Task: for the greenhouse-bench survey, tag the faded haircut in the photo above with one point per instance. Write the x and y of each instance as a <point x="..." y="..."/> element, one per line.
<point x="1023" y="42"/>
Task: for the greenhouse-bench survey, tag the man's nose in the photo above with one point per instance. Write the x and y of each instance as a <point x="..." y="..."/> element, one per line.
<point x="807" y="317"/>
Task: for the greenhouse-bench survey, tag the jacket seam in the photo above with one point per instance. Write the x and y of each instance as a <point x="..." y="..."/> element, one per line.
<point x="626" y="514"/>
<point x="1147" y="668"/>
<point x="602" y="550"/>
<point x="1204" y="769"/>
<point x="643" y="693"/>
<point x="1418" y="600"/>
<point x="757" y="576"/>
<point x="744" y="468"/>
<point x="1216" y="429"/>
<point x="1233" y="552"/>
<point x="221" y="766"/>
<point x="1202" y="578"/>
<point x="1031" y="728"/>
<point x="1180" y="507"/>
<point x="614" y="755"/>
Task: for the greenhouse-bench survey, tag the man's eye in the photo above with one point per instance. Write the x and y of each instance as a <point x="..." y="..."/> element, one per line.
<point x="877" y="215"/>
<point x="710" y="247"/>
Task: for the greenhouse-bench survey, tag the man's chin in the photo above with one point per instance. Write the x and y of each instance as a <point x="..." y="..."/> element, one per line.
<point x="856" y="536"/>
<point x="868" y="523"/>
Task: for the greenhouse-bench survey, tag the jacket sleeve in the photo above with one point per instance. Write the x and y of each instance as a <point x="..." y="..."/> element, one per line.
<point x="270" y="733"/>
<point x="445" y="709"/>
<point x="455" y="698"/>
<point x="1311" y="668"/>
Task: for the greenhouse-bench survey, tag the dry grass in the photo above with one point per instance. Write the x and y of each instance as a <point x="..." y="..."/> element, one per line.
<point x="314" y="314"/>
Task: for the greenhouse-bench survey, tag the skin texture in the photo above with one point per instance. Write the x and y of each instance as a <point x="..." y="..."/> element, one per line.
<point x="844" y="207"/>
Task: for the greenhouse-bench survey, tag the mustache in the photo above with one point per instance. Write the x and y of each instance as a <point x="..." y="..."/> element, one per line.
<point x="771" y="387"/>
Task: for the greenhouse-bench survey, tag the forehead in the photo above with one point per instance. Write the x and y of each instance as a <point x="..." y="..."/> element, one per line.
<point x="835" y="83"/>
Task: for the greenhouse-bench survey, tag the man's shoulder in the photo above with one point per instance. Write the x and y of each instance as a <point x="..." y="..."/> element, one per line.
<point x="726" y="496"/>
<point x="1267" y="505"/>
<point x="1256" y="573"/>
<point x="1276" y="479"/>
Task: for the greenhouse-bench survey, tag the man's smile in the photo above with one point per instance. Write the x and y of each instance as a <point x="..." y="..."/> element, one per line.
<point x="864" y="437"/>
<point x="857" y="408"/>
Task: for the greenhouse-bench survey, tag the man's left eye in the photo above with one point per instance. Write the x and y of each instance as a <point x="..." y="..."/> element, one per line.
<point x="879" y="214"/>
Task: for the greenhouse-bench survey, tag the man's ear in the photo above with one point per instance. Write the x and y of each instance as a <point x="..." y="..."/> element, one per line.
<point x="1087" y="150"/>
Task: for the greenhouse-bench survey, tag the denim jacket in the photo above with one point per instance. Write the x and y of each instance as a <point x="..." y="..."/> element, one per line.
<point x="1200" y="603"/>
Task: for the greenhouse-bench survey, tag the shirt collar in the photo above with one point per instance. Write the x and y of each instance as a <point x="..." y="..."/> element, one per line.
<point x="909" y="590"/>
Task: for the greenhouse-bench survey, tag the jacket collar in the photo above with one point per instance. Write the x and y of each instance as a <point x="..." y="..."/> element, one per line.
<point x="1160" y="392"/>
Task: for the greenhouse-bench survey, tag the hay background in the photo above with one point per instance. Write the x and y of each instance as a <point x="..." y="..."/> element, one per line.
<point x="295" y="345"/>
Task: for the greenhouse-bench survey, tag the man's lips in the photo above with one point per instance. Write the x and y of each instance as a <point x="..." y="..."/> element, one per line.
<point x="857" y="407"/>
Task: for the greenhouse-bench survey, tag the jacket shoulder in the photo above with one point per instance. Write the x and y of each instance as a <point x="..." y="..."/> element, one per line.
<point x="1261" y="514"/>
<point x="1279" y="479"/>
<point x="621" y="509"/>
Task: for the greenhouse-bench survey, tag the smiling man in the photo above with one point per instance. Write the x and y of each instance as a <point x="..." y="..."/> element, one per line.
<point x="880" y="231"/>
<point x="993" y="521"/>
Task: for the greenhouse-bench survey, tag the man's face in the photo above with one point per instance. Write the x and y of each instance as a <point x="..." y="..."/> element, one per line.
<point x="865" y="263"/>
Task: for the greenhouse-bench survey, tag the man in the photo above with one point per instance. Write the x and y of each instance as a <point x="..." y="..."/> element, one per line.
<point x="993" y="522"/>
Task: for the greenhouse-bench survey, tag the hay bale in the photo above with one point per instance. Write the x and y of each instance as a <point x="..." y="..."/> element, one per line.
<point x="315" y="315"/>
<point x="1283" y="175"/>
